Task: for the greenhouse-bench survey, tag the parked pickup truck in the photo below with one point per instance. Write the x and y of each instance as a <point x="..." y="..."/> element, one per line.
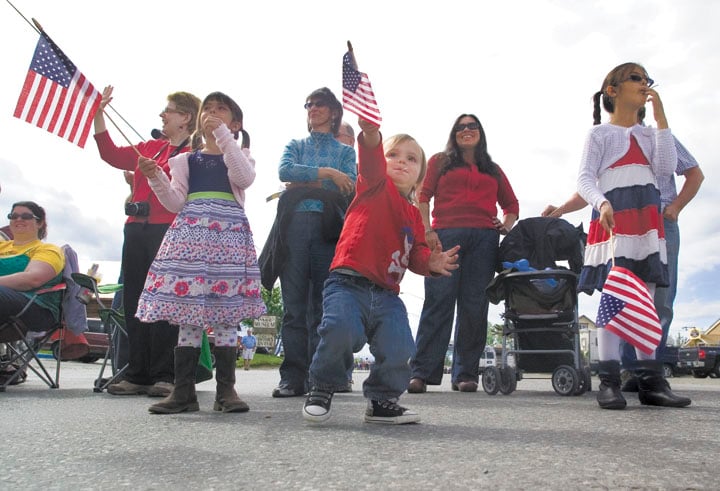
<point x="704" y="360"/>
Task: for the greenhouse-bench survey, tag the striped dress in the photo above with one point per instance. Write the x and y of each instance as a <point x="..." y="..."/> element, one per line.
<point x="629" y="184"/>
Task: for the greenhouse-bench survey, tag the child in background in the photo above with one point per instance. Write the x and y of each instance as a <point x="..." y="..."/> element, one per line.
<point x="383" y="236"/>
<point x="621" y="163"/>
<point x="205" y="272"/>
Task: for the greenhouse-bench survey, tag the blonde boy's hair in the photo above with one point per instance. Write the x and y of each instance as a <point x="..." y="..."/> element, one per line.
<point x="398" y="139"/>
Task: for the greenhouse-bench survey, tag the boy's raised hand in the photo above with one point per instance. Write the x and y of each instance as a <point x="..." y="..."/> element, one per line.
<point x="371" y="133"/>
<point x="147" y="166"/>
<point x="444" y="263"/>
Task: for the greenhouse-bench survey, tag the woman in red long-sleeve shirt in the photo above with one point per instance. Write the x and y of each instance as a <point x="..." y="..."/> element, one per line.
<point x="151" y="362"/>
<point x="467" y="186"/>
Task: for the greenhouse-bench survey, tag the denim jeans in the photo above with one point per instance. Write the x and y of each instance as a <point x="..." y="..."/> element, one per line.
<point x="664" y="298"/>
<point x="35" y="318"/>
<point x="357" y="311"/>
<point x="301" y="281"/>
<point x="466" y="287"/>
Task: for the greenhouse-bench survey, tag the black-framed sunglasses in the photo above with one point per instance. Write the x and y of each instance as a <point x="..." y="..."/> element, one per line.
<point x="471" y="126"/>
<point x="318" y="104"/>
<point x="634" y="77"/>
<point x="22" y="216"/>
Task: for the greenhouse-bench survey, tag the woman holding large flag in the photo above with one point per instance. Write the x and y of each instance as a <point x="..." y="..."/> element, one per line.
<point x="151" y="362"/>
<point x="626" y="247"/>
<point x="321" y="173"/>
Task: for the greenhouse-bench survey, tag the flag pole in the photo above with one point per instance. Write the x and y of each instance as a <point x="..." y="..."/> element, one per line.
<point x="612" y="247"/>
<point x="24" y="18"/>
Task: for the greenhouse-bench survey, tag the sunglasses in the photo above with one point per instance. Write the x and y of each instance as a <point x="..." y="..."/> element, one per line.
<point x="170" y="110"/>
<point x="470" y="126"/>
<point x="22" y="216"/>
<point x="634" y="77"/>
<point x="317" y="104"/>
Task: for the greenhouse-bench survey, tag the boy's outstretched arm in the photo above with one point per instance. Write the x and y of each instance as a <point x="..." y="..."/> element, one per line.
<point x="443" y="263"/>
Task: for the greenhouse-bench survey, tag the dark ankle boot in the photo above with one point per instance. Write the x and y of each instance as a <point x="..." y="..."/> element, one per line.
<point x="226" y="399"/>
<point x="183" y="397"/>
<point x="629" y="381"/>
<point x="654" y="390"/>
<point x="609" y="395"/>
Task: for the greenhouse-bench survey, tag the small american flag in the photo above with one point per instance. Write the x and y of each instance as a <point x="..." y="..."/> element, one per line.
<point x="358" y="96"/>
<point x="56" y="96"/>
<point x="627" y="310"/>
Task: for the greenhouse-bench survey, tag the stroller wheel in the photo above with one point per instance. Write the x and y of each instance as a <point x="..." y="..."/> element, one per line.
<point x="585" y="381"/>
<point x="508" y="380"/>
<point x="491" y="380"/>
<point x="565" y="380"/>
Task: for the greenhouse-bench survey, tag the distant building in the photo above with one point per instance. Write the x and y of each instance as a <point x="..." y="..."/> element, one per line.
<point x="711" y="337"/>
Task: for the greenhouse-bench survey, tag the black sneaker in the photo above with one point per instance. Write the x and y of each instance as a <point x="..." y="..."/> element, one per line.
<point x="317" y="406"/>
<point x="389" y="412"/>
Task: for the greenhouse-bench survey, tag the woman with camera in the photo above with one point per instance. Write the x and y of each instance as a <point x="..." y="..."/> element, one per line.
<point x="150" y="365"/>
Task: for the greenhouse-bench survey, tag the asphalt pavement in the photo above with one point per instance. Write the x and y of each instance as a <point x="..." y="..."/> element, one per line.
<point x="73" y="438"/>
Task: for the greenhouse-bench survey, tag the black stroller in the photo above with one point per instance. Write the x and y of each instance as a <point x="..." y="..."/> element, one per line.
<point x="540" y="328"/>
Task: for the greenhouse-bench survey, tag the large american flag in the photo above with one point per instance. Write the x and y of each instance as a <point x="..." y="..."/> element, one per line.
<point x="627" y="310"/>
<point x="56" y="96"/>
<point x="358" y="96"/>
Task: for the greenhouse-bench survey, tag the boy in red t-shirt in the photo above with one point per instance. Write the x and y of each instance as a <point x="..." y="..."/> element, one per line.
<point x="383" y="236"/>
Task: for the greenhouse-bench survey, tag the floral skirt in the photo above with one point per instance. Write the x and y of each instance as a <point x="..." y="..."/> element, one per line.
<point x="206" y="271"/>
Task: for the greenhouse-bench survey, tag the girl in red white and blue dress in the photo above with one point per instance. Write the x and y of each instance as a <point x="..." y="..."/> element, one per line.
<point x="618" y="177"/>
<point x="205" y="273"/>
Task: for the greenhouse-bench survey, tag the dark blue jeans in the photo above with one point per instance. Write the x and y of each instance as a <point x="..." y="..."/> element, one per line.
<point x="664" y="297"/>
<point x="35" y="318"/>
<point x="301" y="282"/>
<point x="357" y="311"/>
<point x="466" y="288"/>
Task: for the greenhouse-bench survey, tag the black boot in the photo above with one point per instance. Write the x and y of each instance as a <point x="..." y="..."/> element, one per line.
<point x="654" y="390"/>
<point x="629" y="381"/>
<point x="183" y="397"/>
<point x="609" y="395"/>
<point x="226" y="399"/>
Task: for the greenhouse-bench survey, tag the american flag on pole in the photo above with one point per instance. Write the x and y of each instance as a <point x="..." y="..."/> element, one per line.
<point x="358" y="96"/>
<point x="56" y="96"/>
<point x="627" y="310"/>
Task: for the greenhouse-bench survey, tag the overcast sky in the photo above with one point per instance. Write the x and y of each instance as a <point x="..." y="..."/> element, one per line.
<point x="528" y="69"/>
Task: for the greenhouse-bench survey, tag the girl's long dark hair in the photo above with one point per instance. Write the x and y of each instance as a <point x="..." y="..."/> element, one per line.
<point x="453" y="153"/>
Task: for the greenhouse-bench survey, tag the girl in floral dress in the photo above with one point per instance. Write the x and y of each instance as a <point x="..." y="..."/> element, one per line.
<point x="205" y="273"/>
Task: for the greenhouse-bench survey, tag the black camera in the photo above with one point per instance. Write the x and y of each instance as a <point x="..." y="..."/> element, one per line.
<point x="137" y="209"/>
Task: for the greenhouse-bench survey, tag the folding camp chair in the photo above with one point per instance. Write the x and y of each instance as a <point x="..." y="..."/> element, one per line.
<point x="112" y="319"/>
<point x="21" y="346"/>
<point x="22" y="342"/>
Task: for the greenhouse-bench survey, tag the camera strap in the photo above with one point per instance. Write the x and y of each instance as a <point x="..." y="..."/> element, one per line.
<point x="177" y="150"/>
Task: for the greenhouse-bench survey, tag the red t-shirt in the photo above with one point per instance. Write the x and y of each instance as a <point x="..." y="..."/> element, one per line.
<point x="383" y="234"/>
<point x="125" y="158"/>
<point x="465" y="197"/>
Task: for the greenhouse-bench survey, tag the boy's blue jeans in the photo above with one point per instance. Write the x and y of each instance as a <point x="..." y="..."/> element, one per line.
<point x="356" y="311"/>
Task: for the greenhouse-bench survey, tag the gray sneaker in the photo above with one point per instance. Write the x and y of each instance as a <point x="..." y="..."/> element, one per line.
<point x="160" y="389"/>
<point x="125" y="388"/>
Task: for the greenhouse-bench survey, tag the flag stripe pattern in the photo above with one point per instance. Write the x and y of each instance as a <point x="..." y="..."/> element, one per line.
<point x="56" y="96"/>
<point x="358" y="96"/>
<point x="627" y="310"/>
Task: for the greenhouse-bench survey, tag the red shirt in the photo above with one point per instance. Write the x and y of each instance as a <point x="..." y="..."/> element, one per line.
<point x="466" y="197"/>
<point x="125" y="158"/>
<point x="383" y="234"/>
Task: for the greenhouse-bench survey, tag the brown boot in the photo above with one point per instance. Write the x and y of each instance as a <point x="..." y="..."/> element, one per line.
<point x="183" y="397"/>
<point x="226" y="399"/>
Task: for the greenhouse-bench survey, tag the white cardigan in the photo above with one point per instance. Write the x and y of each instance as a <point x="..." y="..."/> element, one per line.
<point x="172" y="192"/>
<point x="607" y="143"/>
